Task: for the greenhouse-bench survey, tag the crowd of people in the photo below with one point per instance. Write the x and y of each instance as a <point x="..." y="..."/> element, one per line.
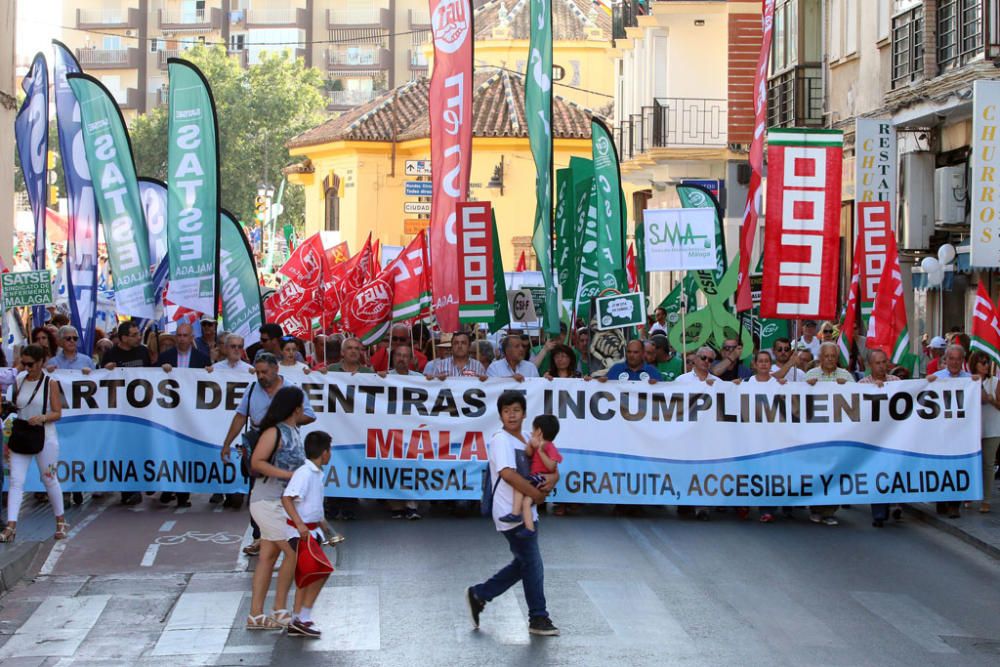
<point x="473" y="353"/>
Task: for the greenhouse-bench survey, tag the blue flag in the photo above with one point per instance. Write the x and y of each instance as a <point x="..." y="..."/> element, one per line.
<point x="81" y="233"/>
<point x="31" y="128"/>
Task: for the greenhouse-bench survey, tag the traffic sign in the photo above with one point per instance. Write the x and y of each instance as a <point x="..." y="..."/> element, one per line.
<point x="417" y="207"/>
<point x="415" y="225"/>
<point x="417" y="168"/>
<point x="419" y="188"/>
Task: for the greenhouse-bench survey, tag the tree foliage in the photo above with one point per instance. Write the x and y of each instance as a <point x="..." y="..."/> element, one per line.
<point x="259" y="110"/>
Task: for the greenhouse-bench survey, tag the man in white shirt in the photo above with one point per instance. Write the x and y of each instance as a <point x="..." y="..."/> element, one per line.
<point x="703" y="360"/>
<point x="784" y="367"/>
<point x="232" y="347"/>
<point x="527" y="565"/>
<point x="809" y="339"/>
<point x="660" y="325"/>
<point x="512" y="364"/>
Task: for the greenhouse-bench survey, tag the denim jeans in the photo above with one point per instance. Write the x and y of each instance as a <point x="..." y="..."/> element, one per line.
<point x="526" y="567"/>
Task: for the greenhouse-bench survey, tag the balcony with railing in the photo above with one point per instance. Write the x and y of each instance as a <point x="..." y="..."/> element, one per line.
<point x="373" y="17"/>
<point x="198" y="20"/>
<point x="359" y="57"/>
<point x="108" y="18"/>
<point x="163" y="55"/>
<point x="420" y="19"/>
<point x="795" y="98"/>
<point x="625" y="14"/>
<point x="960" y="31"/>
<point x="341" y="100"/>
<point x="108" y="58"/>
<point x="278" y="17"/>
<point x="673" y="122"/>
<point x="418" y="60"/>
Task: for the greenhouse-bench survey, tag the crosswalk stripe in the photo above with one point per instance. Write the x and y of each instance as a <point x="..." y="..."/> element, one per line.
<point x="921" y="625"/>
<point x="57" y="628"/>
<point x="772" y="610"/>
<point x="199" y="624"/>
<point x="635" y="613"/>
<point x="350" y="616"/>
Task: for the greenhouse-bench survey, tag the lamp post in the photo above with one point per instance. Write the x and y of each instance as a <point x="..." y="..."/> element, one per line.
<point x="262" y="210"/>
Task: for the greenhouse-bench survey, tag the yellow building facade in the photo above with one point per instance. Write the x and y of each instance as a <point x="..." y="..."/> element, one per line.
<point x="355" y="176"/>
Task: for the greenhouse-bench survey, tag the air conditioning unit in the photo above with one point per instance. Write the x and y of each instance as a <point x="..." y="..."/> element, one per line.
<point x="129" y="33"/>
<point x="916" y="179"/>
<point x="949" y="195"/>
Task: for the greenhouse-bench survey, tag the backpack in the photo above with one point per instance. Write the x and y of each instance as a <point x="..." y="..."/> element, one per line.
<point x="249" y="438"/>
<point x="523" y="465"/>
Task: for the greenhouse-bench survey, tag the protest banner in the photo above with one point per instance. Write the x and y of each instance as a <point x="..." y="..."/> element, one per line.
<point x="680" y="239"/>
<point x="475" y="265"/>
<point x="26" y="288"/>
<point x="617" y="311"/>
<point x="665" y="444"/>
<point x="874" y="233"/>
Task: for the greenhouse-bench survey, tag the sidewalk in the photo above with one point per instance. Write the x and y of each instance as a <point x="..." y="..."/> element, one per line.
<point x="979" y="530"/>
<point x="34" y="535"/>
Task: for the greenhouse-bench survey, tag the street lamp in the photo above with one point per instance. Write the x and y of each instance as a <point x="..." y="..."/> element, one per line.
<point x="262" y="209"/>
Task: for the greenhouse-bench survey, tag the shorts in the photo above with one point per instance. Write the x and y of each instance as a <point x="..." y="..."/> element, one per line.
<point x="270" y="517"/>
<point x="537" y="479"/>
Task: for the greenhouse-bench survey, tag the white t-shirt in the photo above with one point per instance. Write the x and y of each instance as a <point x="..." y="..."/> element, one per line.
<point x="753" y="380"/>
<point x="691" y="376"/>
<point x="991" y="416"/>
<point x="306" y="486"/>
<point x="794" y="374"/>
<point x="297" y="366"/>
<point x="501" y="450"/>
<point x="812" y="346"/>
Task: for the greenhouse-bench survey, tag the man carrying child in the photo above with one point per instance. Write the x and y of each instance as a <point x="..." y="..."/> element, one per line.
<point x="527" y="567"/>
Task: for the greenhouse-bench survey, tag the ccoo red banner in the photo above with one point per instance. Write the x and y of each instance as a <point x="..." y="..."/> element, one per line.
<point x="475" y="261"/>
<point x="450" y="102"/>
<point x="802" y="240"/>
<point x="874" y="232"/>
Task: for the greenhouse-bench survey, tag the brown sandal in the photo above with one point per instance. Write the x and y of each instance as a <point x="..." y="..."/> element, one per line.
<point x="62" y="529"/>
<point x="8" y="534"/>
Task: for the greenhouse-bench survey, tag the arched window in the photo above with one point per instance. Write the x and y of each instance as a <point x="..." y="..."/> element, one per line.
<point x="331" y="190"/>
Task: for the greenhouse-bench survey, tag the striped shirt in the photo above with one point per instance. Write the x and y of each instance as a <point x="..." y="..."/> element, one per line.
<point x="447" y="367"/>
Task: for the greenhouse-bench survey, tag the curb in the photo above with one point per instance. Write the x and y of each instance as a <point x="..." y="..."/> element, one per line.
<point x="944" y="525"/>
<point x="16" y="563"/>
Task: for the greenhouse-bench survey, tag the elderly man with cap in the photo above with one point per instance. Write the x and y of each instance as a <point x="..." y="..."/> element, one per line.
<point x="809" y="340"/>
<point x="936" y="350"/>
<point x="207" y="340"/>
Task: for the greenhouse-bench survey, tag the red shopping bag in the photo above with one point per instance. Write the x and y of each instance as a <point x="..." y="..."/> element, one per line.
<point x="311" y="562"/>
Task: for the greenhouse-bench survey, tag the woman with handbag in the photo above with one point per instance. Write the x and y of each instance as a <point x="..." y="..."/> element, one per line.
<point x="33" y="436"/>
<point x="277" y="454"/>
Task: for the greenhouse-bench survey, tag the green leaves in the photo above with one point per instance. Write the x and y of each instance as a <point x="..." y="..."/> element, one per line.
<point x="259" y="110"/>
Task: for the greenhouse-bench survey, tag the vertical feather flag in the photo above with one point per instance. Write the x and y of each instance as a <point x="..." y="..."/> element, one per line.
<point x="985" y="325"/>
<point x="887" y="330"/>
<point x="31" y="129"/>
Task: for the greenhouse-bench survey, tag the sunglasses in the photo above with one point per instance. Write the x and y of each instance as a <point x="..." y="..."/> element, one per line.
<point x="828" y="331"/>
<point x="782" y="349"/>
<point x="399" y="339"/>
<point x="728" y="348"/>
<point x="28" y="364"/>
<point x="71" y="338"/>
<point x="706" y="358"/>
<point x="238" y="346"/>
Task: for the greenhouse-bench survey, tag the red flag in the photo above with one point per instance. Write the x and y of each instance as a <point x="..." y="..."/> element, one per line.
<point x="522" y="263"/>
<point x="802" y="246"/>
<point x="366" y="313"/>
<point x="871" y="249"/>
<point x="337" y="254"/>
<point x="305" y="265"/>
<point x="450" y="99"/>
<point x="887" y="330"/>
<point x="985" y="325"/>
<point x="376" y="261"/>
<point x="630" y="270"/>
<point x="743" y="298"/>
<point x="847" y="329"/>
<point x="410" y="280"/>
<point x="344" y="280"/>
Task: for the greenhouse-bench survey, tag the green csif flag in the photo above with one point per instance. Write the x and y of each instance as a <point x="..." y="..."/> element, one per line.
<point x="192" y="189"/>
<point x="242" y="306"/>
<point x="606" y="202"/>
<point x="538" y="112"/>
<point x="501" y="310"/>
<point x="695" y="196"/>
<point x="109" y="154"/>
<point x="672" y="303"/>
<point x="567" y="262"/>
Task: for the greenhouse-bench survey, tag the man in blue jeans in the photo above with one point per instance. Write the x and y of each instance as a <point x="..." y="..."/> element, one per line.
<point x="527" y="565"/>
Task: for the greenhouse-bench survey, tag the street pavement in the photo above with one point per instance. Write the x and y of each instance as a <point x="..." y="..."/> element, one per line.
<point x="153" y="585"/>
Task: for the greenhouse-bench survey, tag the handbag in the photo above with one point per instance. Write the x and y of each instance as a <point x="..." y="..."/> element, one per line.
<point x="311" y="562"/>
<point x="25" y="438"/>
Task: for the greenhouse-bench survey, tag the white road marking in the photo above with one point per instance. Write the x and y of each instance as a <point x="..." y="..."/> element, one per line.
<point x="653" y="554"/>
<point x="150" y="555"/>
<point x="919" y="624"/>
<point x="350" y="617"/>
<point x="503" y="620"/>
<point x="635" y="613"/>
<point x="167" y="526"/>
<point x="242" y="560"/>
<point x="218" y="508"/>
<point x="784" y="620"/>
<point x="181" y="510"/>
<point x="60" y="546"/>
<point x="56" y="628"/>
<point x="199" y="624"/>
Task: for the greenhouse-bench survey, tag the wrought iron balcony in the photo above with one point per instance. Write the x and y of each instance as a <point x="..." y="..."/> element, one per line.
<point x="673" y="122"/>
<point x="795" y="98"/>
<point x="108" y="58"/>
<point x="346" y="99"/>
<point x="199" y="20"/>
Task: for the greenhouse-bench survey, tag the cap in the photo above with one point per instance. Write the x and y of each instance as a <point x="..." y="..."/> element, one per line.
<point x="938" y="343"/>
<point x="808" y="323"/>
<point x="207" y="320"/>
<point x="445" y="340"/>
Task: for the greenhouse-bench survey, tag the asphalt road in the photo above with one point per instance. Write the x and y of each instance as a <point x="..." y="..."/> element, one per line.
<point x="624" y="591"/>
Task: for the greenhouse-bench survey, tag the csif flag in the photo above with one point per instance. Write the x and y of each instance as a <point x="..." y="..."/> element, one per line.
<point x="606" y="204"/>
<point x="112" y="168"/>
<point x="193" y="189"/>
<point x="81" y="220"/>
<point x="450" y="111"/>
<point x="31" y="129"/>
<point x="887" y="330"/>
<point x="985" y="325"/>
<point x="242" y="309"/>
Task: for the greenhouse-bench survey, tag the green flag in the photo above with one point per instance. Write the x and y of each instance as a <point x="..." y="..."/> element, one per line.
<point x="640" y="258"/>
<point x="242" y="307"/>
<point x="538" y="112"/>
<point x="672" y="302"/>
<point x="695" y="196"/>
<point x="192" y="189"/>
<point x="501" y="311"/>
<point x="585" y="262"/>
<point x="764" y="330"/>
<point x="607" y="206"/>
<point x="106" y="143"/>
<point x="567" y="264"/>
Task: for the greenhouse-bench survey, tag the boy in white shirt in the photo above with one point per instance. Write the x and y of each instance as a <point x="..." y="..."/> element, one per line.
<point x="303" y="503"/>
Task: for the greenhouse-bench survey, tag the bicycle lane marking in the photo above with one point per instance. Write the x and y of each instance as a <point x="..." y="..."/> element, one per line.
<point x="149" y="557"/>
